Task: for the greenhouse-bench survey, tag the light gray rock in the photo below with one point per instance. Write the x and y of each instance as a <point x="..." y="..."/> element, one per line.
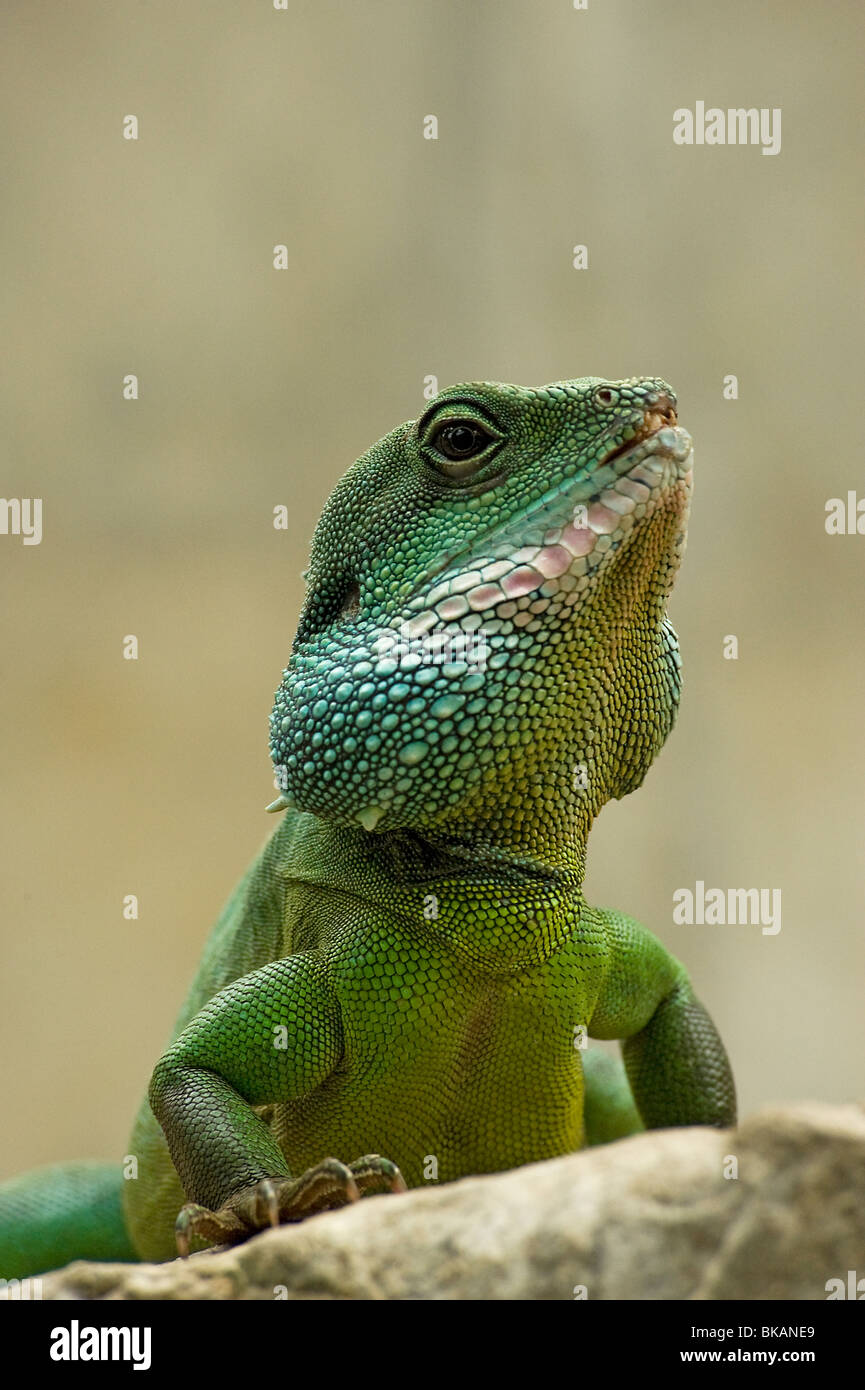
<point x="651" y="1217"/>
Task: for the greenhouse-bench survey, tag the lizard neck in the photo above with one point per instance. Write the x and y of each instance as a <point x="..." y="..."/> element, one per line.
<point x="501" y="911"/>
<point x="535" y="825"/>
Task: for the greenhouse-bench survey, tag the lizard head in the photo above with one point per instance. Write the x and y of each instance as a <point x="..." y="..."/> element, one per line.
<point x="484" y="632"/>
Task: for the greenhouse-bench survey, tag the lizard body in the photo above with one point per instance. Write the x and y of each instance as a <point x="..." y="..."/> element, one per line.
<point x="409" y="968"/>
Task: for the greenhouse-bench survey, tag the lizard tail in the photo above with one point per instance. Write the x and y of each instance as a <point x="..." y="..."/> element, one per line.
<point x="610" y="1112"/>
<point x="66" y="1211"/>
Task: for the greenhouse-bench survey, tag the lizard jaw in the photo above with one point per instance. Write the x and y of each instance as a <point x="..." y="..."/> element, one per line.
<point x="574" y="528"/>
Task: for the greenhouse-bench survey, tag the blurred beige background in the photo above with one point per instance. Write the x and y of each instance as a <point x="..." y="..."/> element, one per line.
<point x="408" y="257"/>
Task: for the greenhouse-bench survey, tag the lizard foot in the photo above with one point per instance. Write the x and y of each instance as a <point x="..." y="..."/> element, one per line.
<point x="275" y="1201"/>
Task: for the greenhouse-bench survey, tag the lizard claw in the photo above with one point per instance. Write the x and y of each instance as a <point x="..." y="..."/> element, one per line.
<point x="268" y="1201"/>
<point x="278" y="1200"/>
<point x="373" y="1169"/>
<point x="222" y="1227"/>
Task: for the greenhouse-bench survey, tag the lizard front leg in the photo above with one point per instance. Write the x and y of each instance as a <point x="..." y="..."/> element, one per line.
<point x="273" y="1035"/>
<point x="675" y="1061"/>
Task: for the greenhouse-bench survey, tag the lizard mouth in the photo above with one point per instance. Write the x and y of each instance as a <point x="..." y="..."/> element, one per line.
<point x="660" y="417"/>
<point x="568" y="532"/>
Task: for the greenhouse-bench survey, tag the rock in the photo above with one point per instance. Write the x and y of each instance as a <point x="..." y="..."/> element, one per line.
<point x="649" y="1217"/>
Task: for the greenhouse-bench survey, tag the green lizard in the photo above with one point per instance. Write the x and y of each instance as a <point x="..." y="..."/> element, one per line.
<point x="401" y="986"/>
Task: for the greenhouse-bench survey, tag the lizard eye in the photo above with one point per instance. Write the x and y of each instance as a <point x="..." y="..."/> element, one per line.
<point x="604" y="396"/>
<point x="459" y="447"/>
<point x="460" y="441"/>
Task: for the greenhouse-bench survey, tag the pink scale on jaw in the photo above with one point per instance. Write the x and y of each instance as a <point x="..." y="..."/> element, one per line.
<point x="617" y="502"/>
<point x="631" y="488"/>
<point x="484" y="596"/>
<point x="552" y="561"/>
<point x="521" y="581"/>
<point x="601" y="519"/>
<point x="526" y="556"/>
<point x="647" y="473"/>
<point x="578" y="539"/>
<point x="452" y="608"/>
<point x="496" y="569"/>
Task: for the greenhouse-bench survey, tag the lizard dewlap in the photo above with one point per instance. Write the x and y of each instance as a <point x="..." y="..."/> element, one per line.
<point x="401" y="987"/>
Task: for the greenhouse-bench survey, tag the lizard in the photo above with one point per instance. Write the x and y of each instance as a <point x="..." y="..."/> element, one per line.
<point x="401" y="987"/>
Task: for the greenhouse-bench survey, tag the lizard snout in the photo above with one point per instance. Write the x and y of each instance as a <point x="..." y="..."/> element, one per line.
<point x="661" y="413"/>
